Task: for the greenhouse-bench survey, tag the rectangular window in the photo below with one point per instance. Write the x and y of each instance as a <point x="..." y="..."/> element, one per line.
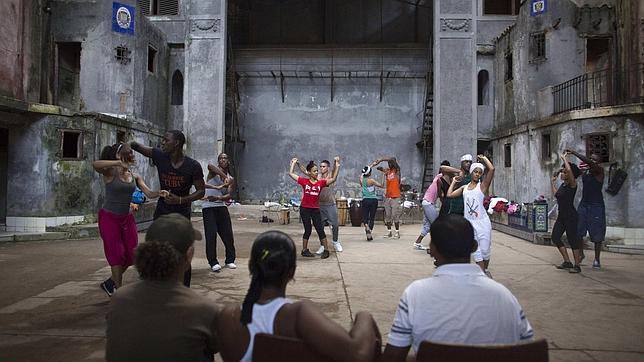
<point x="545" y="146"/>
<point x="508" y="66"/>
<point x="537" y="47"/>
<point x="152" y="59"/>
<point x="71" y="144"/>
<point x="501" y="7"/>
<point x="159" y="7"/>
<point x="68" y="75"/>
<point x="508" y="155"/>
<point x="598" y="144"/>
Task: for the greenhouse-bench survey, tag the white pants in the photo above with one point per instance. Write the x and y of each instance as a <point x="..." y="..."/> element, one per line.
<point x="483" y="236"/>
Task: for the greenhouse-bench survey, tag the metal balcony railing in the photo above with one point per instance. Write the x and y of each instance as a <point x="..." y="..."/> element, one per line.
<point x="608" y="87"/>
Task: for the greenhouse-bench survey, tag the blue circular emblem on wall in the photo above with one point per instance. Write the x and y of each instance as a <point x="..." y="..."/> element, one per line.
<point x="123" y="17"/>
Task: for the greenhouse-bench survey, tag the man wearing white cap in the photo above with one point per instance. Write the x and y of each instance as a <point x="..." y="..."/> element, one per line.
<point x="456" y="203"/>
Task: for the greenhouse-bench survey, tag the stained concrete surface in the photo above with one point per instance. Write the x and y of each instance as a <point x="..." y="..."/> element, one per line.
<point x="51" y="308"/>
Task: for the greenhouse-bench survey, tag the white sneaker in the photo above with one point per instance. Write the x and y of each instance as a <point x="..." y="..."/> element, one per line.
<point x="397" y="235"/>
<point x="320" y="250"/>
<point x="419" y="246"/>
<point x="337" y="246"/>
<point x="231" y="266"/>
<point x="388" y="235"/>
<point x="216" y="268"/>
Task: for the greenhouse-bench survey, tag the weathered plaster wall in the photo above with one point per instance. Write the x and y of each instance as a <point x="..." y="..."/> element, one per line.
<point x="105" y="84"/>
<point x="46" y="185"/>
<point x="530" y="174"/>
<point x="355" y="126"/>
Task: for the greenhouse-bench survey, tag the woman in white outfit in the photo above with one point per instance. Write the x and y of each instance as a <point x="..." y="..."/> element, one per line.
<point x="267" y="310"/>
<point x="473" y="195"/>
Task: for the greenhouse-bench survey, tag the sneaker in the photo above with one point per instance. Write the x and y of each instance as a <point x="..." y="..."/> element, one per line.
<point x="489" y="275"/>
<point x="397" y="235"/>
<point x="564" y="265"/>
<point x="216" y="268"/>
<point x="369" y="237"/>
<point x="325" y="254"/>
<point x="388" y="235"/>
<point x="596" y="265"/>
<point x="307" y="253"/>
<point x="575" y="269"/>
<point x="320" y="250"/>
<point x="231" y="266"/>
<point x="109" y="287"/>
<point x="337" y="246"/>
<point x="419" y="246"/>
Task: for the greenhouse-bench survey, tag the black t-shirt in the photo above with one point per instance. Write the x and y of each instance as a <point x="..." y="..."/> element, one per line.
<point x="176" y="180"/>
<point x="565" y="196"/>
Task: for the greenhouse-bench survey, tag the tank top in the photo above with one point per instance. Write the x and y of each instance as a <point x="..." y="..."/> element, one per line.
<point x="592" y="191"/>
<point x="368" y="192"/>
<point x="473" y="204"/>
<point x="565" y="196"/>
<point x="216" y="181"/>
<point x="393" y="185"/>
<point x="262" y="322"/>
<point x="118" y="195"/>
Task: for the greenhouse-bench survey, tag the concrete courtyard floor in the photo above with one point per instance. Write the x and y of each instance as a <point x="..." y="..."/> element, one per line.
<point x="51" y="308"/>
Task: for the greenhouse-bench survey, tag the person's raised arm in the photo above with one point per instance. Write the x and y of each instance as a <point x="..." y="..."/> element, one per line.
<point x="372" y="182"/>
<point x="217" y="171"/>
<point x="588" y="160"/>
<point x="361" y="343"/>
<point x="489" y="175"/>
<point x="291" y="169"/>
<point x="104" y="166"/>
<point x="451" y="193"/>
<point x="571" y="178"/>
<point x="334" y="173"/>
<point x="449" y="170"/>
<point x="301" y="167"/>
<point x="144" y="150"/>
<point x="553" y="183"/>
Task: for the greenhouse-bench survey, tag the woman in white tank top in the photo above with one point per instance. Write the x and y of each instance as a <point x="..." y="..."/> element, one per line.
<point x="474" y="211"/>
<point x="267" y="310"/>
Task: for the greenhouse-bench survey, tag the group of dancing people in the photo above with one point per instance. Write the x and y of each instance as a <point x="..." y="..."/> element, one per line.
<point x="178" y="174"/>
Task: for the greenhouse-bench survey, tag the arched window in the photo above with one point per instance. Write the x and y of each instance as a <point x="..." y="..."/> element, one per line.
<point x="177" y="89"/>
<point x="483" y="88"/>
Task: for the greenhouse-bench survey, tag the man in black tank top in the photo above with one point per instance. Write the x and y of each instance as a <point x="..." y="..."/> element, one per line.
<point x="177" y="174"/>
<point x="591" y="210"/>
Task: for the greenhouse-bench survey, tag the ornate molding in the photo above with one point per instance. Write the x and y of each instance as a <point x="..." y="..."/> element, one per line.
<point x="205" y="27"/>
<point x="459" y="25"/>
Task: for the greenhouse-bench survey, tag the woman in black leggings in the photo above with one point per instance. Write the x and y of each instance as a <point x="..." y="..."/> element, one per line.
<point x="310" y="206"/>
<point x="567" y="217"/>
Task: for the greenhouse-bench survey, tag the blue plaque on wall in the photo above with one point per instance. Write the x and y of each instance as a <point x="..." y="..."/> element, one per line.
<point x="541" y="217"/>
<point x="123" y="18"/>
<point x="538" y="7"/>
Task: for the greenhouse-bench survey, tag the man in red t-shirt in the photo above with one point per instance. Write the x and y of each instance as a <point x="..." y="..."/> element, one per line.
<point x="310" y="206"/>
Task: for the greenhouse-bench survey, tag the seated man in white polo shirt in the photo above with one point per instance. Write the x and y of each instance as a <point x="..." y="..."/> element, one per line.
<point x="458" y="303"/>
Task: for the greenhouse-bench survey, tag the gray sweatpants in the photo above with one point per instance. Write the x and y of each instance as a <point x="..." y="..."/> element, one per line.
<point x="330" y="213"/>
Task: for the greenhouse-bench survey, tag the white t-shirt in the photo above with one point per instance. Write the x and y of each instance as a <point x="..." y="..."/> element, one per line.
<point x="458" y="304"/>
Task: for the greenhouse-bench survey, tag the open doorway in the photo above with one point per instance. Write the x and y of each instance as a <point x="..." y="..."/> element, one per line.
<point x="4" y="166"/>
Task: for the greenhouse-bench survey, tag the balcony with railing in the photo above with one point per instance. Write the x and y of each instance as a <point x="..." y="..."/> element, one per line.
<point x="608" y="87"/>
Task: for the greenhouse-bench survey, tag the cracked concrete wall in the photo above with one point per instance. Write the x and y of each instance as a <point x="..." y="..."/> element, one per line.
<point x="355" y="126"/>
<point x="41" y="183"/>
<point x="105" y="84"/>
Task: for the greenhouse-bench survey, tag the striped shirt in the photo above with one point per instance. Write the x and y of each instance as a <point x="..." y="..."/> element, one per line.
<point x="458" y="304"/>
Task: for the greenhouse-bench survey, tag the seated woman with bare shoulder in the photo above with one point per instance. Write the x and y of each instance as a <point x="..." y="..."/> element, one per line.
<point x="267" y="310"/>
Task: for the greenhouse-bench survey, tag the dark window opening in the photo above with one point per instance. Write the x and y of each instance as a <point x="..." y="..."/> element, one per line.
<point x="152" y="55"/>
<point x="501" y="7"/>
<point x="598" y="144"/>
<point x="120" y="136"/>
<point x="68" y="75"/>
<point x="159" y="7"/>
<point x="122" y="54"/>
<point x="545" y="146"/>
<point x="508" y="155"/>
<point x="177" y="89"/>
<point x="597" y="54"/>
<point x="71" y="145"/>
<point x="483" y="88"/>
<point x="538" y="46"/>
<point x="508" y="66"/>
